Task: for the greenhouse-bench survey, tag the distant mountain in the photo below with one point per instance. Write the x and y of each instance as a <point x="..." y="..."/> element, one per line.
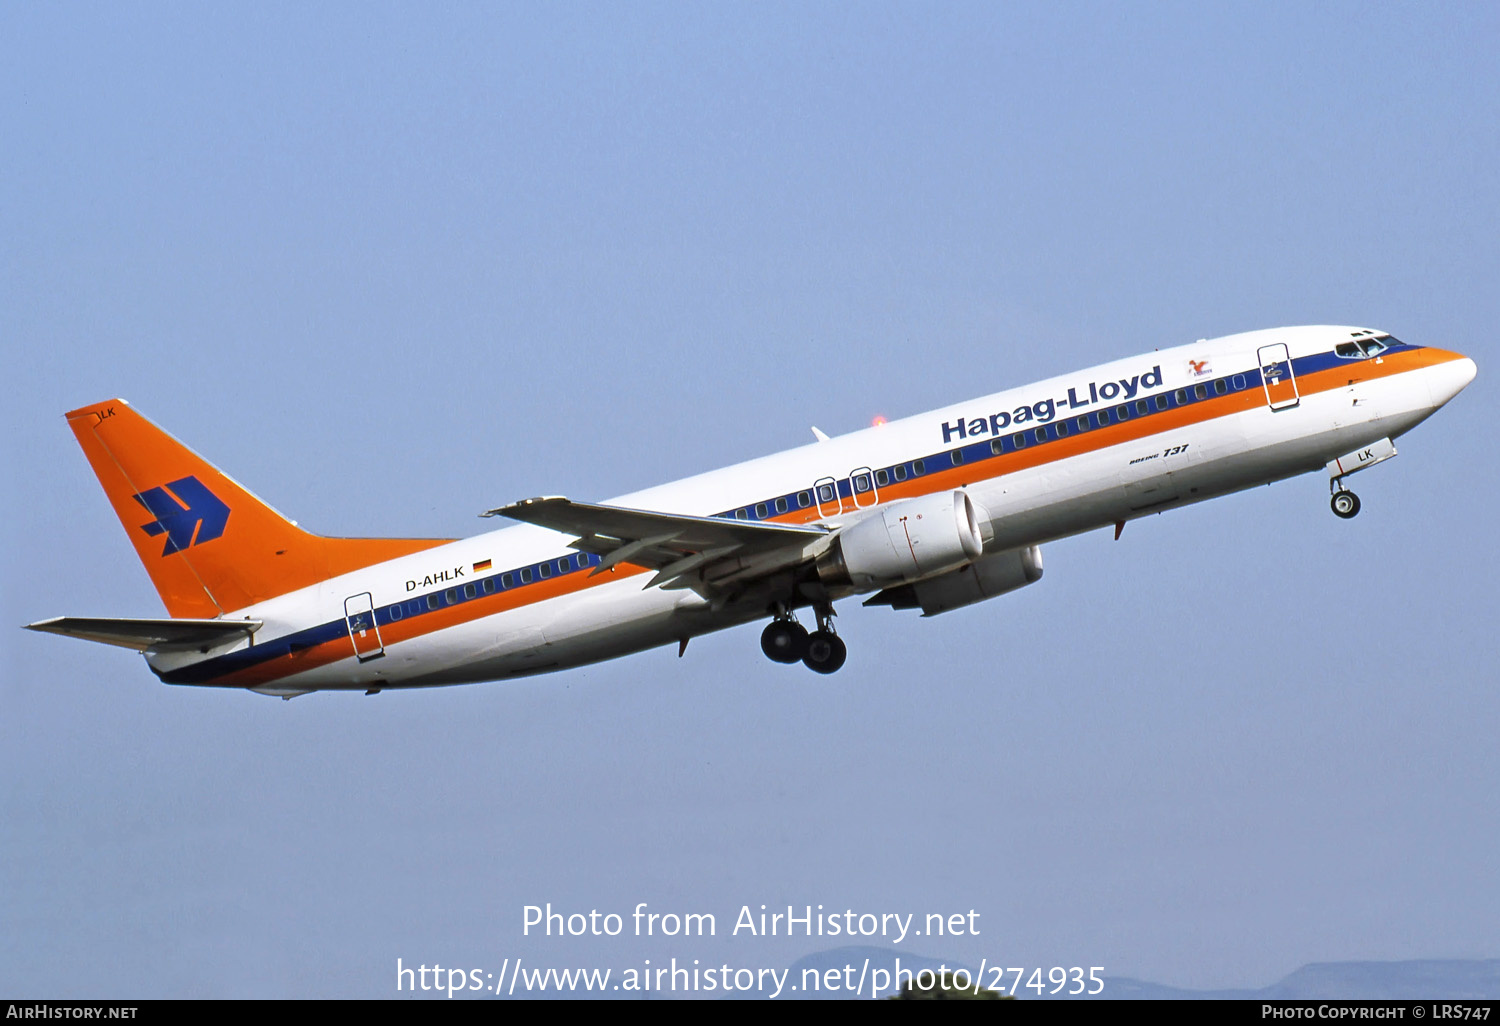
<point x="1439" y="979"/>
<point x="1445" y="979"/>
<point x="884" y="959"/>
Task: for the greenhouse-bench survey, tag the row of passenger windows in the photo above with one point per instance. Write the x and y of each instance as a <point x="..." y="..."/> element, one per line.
<point x="860" y="483"/>
<point x="1103" y="418"/>
<point x="490" y="585"/>
<point x="830" y="492"/>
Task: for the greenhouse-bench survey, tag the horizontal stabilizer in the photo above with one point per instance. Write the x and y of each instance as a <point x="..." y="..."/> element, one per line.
<point x="143" y="634"/>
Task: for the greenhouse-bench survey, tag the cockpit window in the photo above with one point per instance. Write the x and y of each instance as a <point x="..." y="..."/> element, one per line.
<point x="1365" y="347"/>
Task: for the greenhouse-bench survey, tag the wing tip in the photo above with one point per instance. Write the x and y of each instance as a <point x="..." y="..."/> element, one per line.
<point x="510" y="509"/>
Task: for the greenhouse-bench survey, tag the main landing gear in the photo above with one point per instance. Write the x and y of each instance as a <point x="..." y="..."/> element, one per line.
<point x="786" y="641"/>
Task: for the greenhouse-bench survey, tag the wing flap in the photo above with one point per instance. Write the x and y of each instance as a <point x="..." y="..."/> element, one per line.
<point x="673" y="544"/>
<point x="143" y="634"/>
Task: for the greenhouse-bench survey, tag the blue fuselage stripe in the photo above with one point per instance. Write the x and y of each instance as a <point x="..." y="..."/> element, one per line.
<point x="972" y="452"/>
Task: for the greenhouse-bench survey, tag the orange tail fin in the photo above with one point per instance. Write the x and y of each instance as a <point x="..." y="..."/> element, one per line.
<point x="210" y="546"/>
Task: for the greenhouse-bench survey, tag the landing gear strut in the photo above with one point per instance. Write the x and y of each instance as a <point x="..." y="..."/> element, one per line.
<point x="826" y="652"/>
<point x="786" y="641"/>
<point x="1344" y="502"/>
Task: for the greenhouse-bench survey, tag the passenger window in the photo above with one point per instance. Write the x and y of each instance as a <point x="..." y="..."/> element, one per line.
<point x="997" y="446"/>
<point x="413" y="607"/>
<point x="781" y="505"/>
<point x="1122" y="413"/>
<point x="470" y="592"/>
<point x="526" y="575"/>
<point x="395" y="612"/>
<point x="900" y="472"/>
<point x="1182" y="397"/>
<point x="862" y="482"/>
<point x="741" y="514"/>
<point x="1040" y="434"/>
<point x="918" y="467"/>
<point x="507" y="581"/>
<point x="489" y="585"/>
<point x="1103" y="416"/>
<point x="544" y="570"/>
<point x="1061" y="427"/>
<point x="1239" y="382"/>
<point x="1201" y="391"/>
<point x="1219" y="387"/>
<point x="433" y="601"/>
<point x="804" y="499"/>
<point x="1018" y="440"/>
<point x="1082" y="423"/>
<point x="1161" y="402"/>
<point x="451" y="596"/>
<point x="825" y="493"/>
<point x="957" y="456"/>
<point x="882" y="478"/>
<point x="761" y="512"/>
<point x="1141" y="409"/>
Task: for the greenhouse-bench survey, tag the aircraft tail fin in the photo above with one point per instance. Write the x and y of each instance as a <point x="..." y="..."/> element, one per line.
<point x="209" y="544"/>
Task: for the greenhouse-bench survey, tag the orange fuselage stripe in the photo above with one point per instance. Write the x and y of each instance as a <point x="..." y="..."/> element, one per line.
<point x="1053" y="451"/>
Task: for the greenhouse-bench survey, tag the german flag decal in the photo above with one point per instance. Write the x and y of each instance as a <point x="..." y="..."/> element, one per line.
<point x="483" y="564"/>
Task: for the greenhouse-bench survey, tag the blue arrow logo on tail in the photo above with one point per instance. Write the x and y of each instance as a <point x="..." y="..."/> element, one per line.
<point x="179" y="509"/>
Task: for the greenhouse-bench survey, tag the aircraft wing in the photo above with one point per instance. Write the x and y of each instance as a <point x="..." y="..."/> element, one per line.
<point x="143" y="634"/>
<point x="672" y="544"/>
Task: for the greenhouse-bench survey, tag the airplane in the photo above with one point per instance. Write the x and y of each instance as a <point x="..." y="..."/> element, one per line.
<point x="932" y="512"/>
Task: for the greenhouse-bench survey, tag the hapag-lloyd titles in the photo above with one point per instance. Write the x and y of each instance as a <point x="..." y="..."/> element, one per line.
<point x="1046" y="409"/>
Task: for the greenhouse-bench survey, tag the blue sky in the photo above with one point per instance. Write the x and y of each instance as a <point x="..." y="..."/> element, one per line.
<point x="391" y="267"/>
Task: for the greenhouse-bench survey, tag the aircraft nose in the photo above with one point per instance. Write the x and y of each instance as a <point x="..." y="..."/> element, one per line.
<point x="1451" y="377"/>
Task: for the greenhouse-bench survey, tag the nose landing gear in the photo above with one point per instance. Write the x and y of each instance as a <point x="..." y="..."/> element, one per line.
<point x="1345" y="504"/>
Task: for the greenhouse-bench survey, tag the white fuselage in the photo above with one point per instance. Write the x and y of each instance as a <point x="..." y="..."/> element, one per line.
<point x="1211" y="425"/>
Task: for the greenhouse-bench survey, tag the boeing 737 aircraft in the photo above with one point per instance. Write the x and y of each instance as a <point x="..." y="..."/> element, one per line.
<point x="933" y="512"/>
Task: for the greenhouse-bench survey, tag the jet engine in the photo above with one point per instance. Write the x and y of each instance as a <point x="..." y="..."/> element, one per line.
<point x="904" y="541"/>
<point x="980" y="580"/>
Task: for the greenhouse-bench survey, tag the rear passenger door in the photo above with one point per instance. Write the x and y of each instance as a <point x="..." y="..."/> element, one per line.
<point x="359" y="616"/>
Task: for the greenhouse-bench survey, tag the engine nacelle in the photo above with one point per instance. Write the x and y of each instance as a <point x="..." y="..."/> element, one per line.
<point x="980" y="580"/>
<point x="904" y="541"/>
